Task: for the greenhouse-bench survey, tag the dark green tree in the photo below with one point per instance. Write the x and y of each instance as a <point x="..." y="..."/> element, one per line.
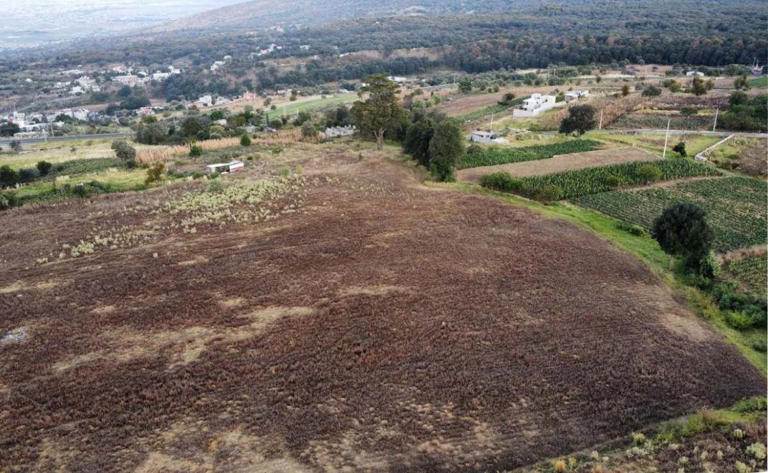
<point x="44" y="167"/>
<point x="680" y="149"/>
<point x="445" y="149"/>
<point x="417" y="140"/>
<point x="682" y="230"/>
<point x="580" y="119"/>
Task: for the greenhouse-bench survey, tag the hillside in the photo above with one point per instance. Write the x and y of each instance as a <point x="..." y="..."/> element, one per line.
<point x="263" y="14"/>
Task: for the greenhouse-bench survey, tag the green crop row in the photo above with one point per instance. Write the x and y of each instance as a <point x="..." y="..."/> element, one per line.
<point x="751" y="271"/>
<point x="572" y="184"/>
<point x="493" y="157"/>
<point x="735" y="207"/>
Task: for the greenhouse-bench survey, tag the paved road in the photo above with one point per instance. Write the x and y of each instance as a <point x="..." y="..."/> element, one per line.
<point x="7" y="141"/>
<point x="645" y="131"/>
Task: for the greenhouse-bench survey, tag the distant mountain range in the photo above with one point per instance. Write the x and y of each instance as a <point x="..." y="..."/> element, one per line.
<point x="27" y="23"/>
<point x="259" y="14"/>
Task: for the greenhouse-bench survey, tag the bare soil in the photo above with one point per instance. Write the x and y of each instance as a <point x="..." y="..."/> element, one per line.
<point x="561" y="163"/>
<point x="381" y="327"/>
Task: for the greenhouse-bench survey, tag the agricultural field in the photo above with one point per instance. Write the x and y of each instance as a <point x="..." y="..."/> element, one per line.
<point x="324" y="311"/>
<point x="593" y="180"/>
<point x="743" y="154"/>
<point x="735" y="207"/>
<point x="496" y="156"/>
<point x="751" y="271"/>
<point x="654" y="142"/>
<point x="562" y="163"/>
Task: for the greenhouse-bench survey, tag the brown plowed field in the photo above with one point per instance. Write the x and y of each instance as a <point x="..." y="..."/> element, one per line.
<point x="381" y="327"/>
<point x="561" y="163"/>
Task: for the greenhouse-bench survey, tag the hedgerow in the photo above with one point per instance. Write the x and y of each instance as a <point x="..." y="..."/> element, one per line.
<point x="493" y="157"/>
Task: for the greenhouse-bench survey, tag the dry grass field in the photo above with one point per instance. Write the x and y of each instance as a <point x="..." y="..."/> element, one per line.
<point x="343" y="319"/>
<point x="562" y="163"/>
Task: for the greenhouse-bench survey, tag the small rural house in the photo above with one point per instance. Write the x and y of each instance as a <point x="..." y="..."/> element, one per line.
<point x="576" y="95"/>
<point x="534" y="105"/>
<point x="480" y="136"/>
<point x="694" y="73"/>
<point x="223" y="168"/>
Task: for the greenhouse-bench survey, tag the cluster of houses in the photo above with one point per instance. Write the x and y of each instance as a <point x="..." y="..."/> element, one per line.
<point x="33" y="125"/>
<point x="83" y="83"/>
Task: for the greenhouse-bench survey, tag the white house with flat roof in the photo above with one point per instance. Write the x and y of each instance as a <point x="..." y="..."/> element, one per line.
<point x="534" y="105"/>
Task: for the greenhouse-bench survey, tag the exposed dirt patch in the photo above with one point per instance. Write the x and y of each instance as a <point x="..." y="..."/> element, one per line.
<point x="480" y="336"/>
<point x="561" y="163"/>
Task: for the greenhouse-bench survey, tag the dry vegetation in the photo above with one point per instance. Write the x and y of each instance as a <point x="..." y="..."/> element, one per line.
<point x="380" y="326"/>
<point x="151" y="154"/>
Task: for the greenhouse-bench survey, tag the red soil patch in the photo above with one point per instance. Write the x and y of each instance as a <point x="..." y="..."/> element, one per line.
<point x="383" y="327"/>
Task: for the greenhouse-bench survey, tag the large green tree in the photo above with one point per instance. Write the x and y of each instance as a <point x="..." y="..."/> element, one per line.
<point x="682" y="230"/>
<point x="580" y="119"/>
<point x="380" y="110"/>
<point x="445" y="149"/>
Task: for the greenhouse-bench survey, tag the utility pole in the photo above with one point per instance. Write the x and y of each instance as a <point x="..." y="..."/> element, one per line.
<point x="600" y="126"/>
<point x="717" y="111"/>
<point x="491" y="128"/>
<point x="666" y="138"/>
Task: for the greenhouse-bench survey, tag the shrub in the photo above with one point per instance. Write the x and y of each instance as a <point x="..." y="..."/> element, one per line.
<point x="245" y="140"/>
<point x="549" y="193"/>
<point x="44" y="167"/>
<point x="759" y="345"/>
<point x="8" y="177"/>
<point x="124" y="151"/>
<point x="27" y="175"/>
<point x="195" y="151"/>
<point x="80" y="190"/>
<point x="630" y="228"/>
<point x="308" y="130"/>
<point x="648" y="173"/>
<point x="474" y="148"/>
<point x="680" y="149"/>
<point x="501" y="181"/>
<point x="155" y="173"/>
<point x="651" y="91"/>
<point x="738" y="320"/>
<point x="215" y="186"/>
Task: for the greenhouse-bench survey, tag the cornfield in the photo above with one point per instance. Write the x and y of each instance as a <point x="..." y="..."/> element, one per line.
<point x="492" y="157"/>
<point x="581" y="182"/>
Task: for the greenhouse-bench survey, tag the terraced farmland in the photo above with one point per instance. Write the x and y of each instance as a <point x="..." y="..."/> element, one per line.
<point x="735" y="207"/>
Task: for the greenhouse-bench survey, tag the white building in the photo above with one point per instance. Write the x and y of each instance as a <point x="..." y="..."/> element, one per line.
<point x="480" y="136"/>
<point x="576" y="95"/>
<point x="129" y="80"/>
<point x="204" y="101"/>
<point x="223" y="168"/>
<point x="87" y="83"/>
<point x="534" y="105"/>
<point x="694" y="73"/>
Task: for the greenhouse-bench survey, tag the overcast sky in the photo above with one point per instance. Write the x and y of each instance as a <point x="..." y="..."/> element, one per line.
<point x="35" y="22"/>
